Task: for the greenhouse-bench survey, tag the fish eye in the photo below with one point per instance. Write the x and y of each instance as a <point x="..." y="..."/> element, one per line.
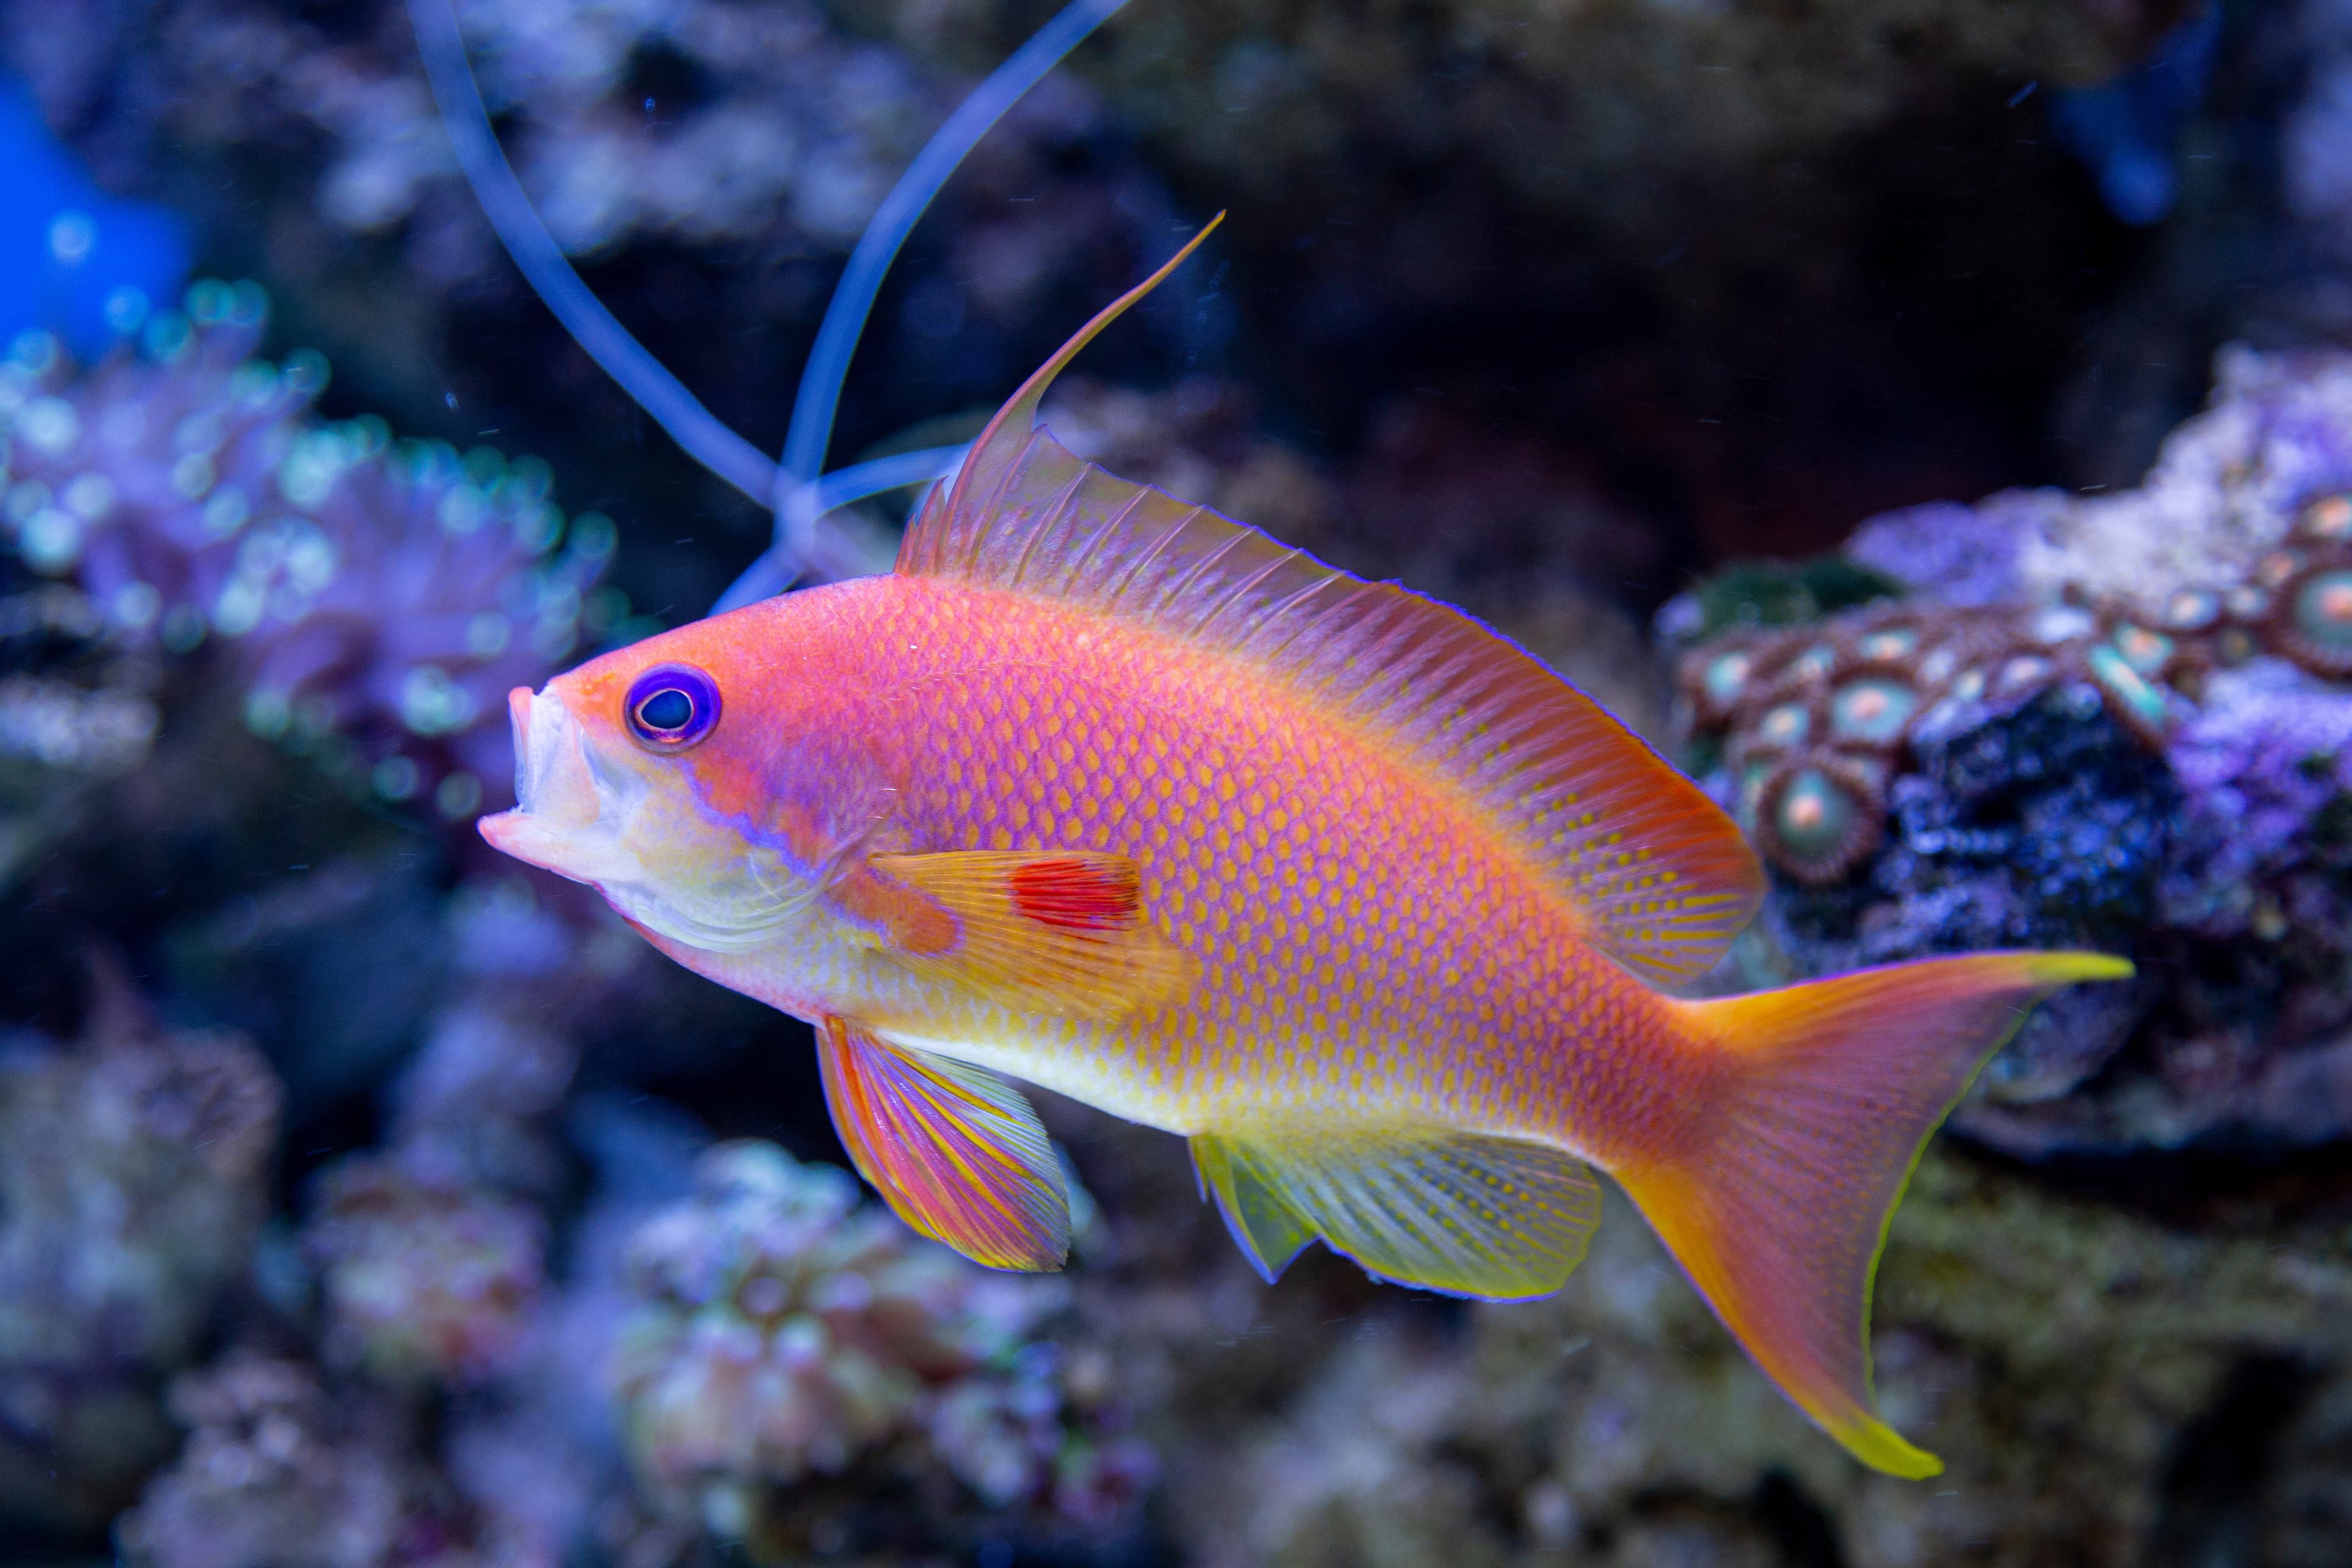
<point x="671" y="707"/>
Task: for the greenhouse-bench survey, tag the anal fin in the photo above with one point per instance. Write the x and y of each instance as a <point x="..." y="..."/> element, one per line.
<point x="955" y="1150"/>
<point x="1464" y="1213"/>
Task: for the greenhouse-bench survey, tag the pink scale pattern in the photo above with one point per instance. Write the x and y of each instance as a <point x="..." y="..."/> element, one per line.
<point x="1362" y="932"/>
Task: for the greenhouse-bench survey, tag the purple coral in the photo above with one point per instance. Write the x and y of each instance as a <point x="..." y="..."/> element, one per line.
<point x="130" y="1194"/>
<point x="280" y="1472"/>
<point x="783" y="1329"/>
<point x="424" y="1277"/>
<point x="432" y="1253"/>
<point x="2263" y="762"/>
<point x="472" y="1108"/>
<point x="270" y="1478"/>
<point x="380" y="597"/>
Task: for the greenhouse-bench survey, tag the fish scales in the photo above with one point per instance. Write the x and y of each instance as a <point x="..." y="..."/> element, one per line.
<point x="1101" y="792"/>
<point x="1441" y="981"/>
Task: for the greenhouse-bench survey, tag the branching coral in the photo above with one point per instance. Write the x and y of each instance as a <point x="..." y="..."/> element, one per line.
<point x="424" y="1277"/>
<point x="130" y="1192"/>
<point x="784" y="1332"/>
<point x="432" y="1252"/>
<point x="379" y="597"/>
<point x="279" y="1473"/>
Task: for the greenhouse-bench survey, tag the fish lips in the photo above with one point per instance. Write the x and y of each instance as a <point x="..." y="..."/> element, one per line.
<point x="556" y="800"/>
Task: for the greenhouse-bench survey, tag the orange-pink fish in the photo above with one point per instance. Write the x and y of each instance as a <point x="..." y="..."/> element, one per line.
<point x="1101" y="791"/>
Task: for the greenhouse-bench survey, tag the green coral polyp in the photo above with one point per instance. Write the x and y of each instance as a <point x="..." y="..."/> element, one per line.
<point x="2323" y="608"/>
<point x="1812" y="814"/>
<point x="2146" y="651"/>
<point x="1726" y="676"/>
<point x="1819" y="820"/>
<point x="1873" y="712"/>
<point x="2139" y="704"/>
<point x="1787" y="725"/>
<point x="1895" y="643"/>
<point x="2330" y="517"/>
<point x="2315" y="629"/>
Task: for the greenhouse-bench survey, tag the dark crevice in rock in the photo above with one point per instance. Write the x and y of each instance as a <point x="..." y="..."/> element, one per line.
<point x="2212" y="1491"/>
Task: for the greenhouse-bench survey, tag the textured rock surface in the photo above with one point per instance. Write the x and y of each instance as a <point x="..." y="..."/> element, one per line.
<point x="2083" y="1373"/>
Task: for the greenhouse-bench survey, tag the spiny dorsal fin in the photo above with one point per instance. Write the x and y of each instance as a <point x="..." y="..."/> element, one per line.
<point x="1662" y="875"/>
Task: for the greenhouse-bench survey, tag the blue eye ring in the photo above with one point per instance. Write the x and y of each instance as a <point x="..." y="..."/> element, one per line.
<point x="671" y="707"/>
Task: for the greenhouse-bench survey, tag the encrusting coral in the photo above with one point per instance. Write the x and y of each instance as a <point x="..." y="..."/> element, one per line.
<point x="280" y="1472"/>
<point x="2114" y="721"/>
<point x="2239" y="544"/>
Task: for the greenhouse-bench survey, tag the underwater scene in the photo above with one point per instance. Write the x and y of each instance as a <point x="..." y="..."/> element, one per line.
<point x="1175" y="783"/>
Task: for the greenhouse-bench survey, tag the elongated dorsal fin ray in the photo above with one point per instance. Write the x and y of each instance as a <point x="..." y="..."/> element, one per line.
<point x="1464" y="1213"/>
<point x="1661" y="873"/>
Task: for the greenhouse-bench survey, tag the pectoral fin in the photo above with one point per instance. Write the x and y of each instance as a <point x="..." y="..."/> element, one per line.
<point x="1061" y="933"/>
<point x="1470" y="1215"/>
<point x="955" y="1150"/>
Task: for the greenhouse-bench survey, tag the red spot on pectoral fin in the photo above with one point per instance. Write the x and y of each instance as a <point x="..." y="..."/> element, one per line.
<point x="955" y="1150"/>
<point x="1078" y="892"/>
<point x="1055" y="932"/>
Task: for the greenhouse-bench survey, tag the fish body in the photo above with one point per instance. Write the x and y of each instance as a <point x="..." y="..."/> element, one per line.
<point x="1360" y="932"/>
<point x="1101" y="792"/>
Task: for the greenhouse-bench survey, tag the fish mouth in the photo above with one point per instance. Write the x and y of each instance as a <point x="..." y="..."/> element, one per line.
<point x="556" y="802"/>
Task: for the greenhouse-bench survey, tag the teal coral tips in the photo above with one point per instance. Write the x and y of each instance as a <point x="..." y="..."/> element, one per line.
<point x="2146" y="651"/>
<point x="2330" y="517"/>
<point x="1895" y="643"/>
<point x="1814" y="719"/>
<point x="2130" y="695"/>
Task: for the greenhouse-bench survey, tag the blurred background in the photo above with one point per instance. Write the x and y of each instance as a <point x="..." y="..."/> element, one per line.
<point x="1930" y="421"/>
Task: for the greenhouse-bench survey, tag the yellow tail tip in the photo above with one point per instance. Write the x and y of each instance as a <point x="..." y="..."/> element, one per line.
<point x="2066" y="968"/>
<point x="1877" y="1445"/>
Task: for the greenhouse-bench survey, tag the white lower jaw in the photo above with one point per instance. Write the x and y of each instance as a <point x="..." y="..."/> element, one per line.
<point x="556" y="819"/>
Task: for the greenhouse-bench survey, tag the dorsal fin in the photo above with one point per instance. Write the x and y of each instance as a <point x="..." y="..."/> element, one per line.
<point x="1662" y="874"/>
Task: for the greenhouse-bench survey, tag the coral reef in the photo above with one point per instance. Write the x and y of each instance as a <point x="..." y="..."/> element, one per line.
<point x="74" y="714"/>
<point x="2111" y="721"/>
<point x="1543" y="309"/>
<point x="280" y="1473"/>
<point x="432" y="1251"/>
<point x="710" y="163"/>
<point x="2228" y="488"/>
<point x="380" y="599"/>
<point x="2056" y="1354"/>
<point x="784" y="1333"/>
<point x="130" y="1196"/>
<point x="422" y="1279"/>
